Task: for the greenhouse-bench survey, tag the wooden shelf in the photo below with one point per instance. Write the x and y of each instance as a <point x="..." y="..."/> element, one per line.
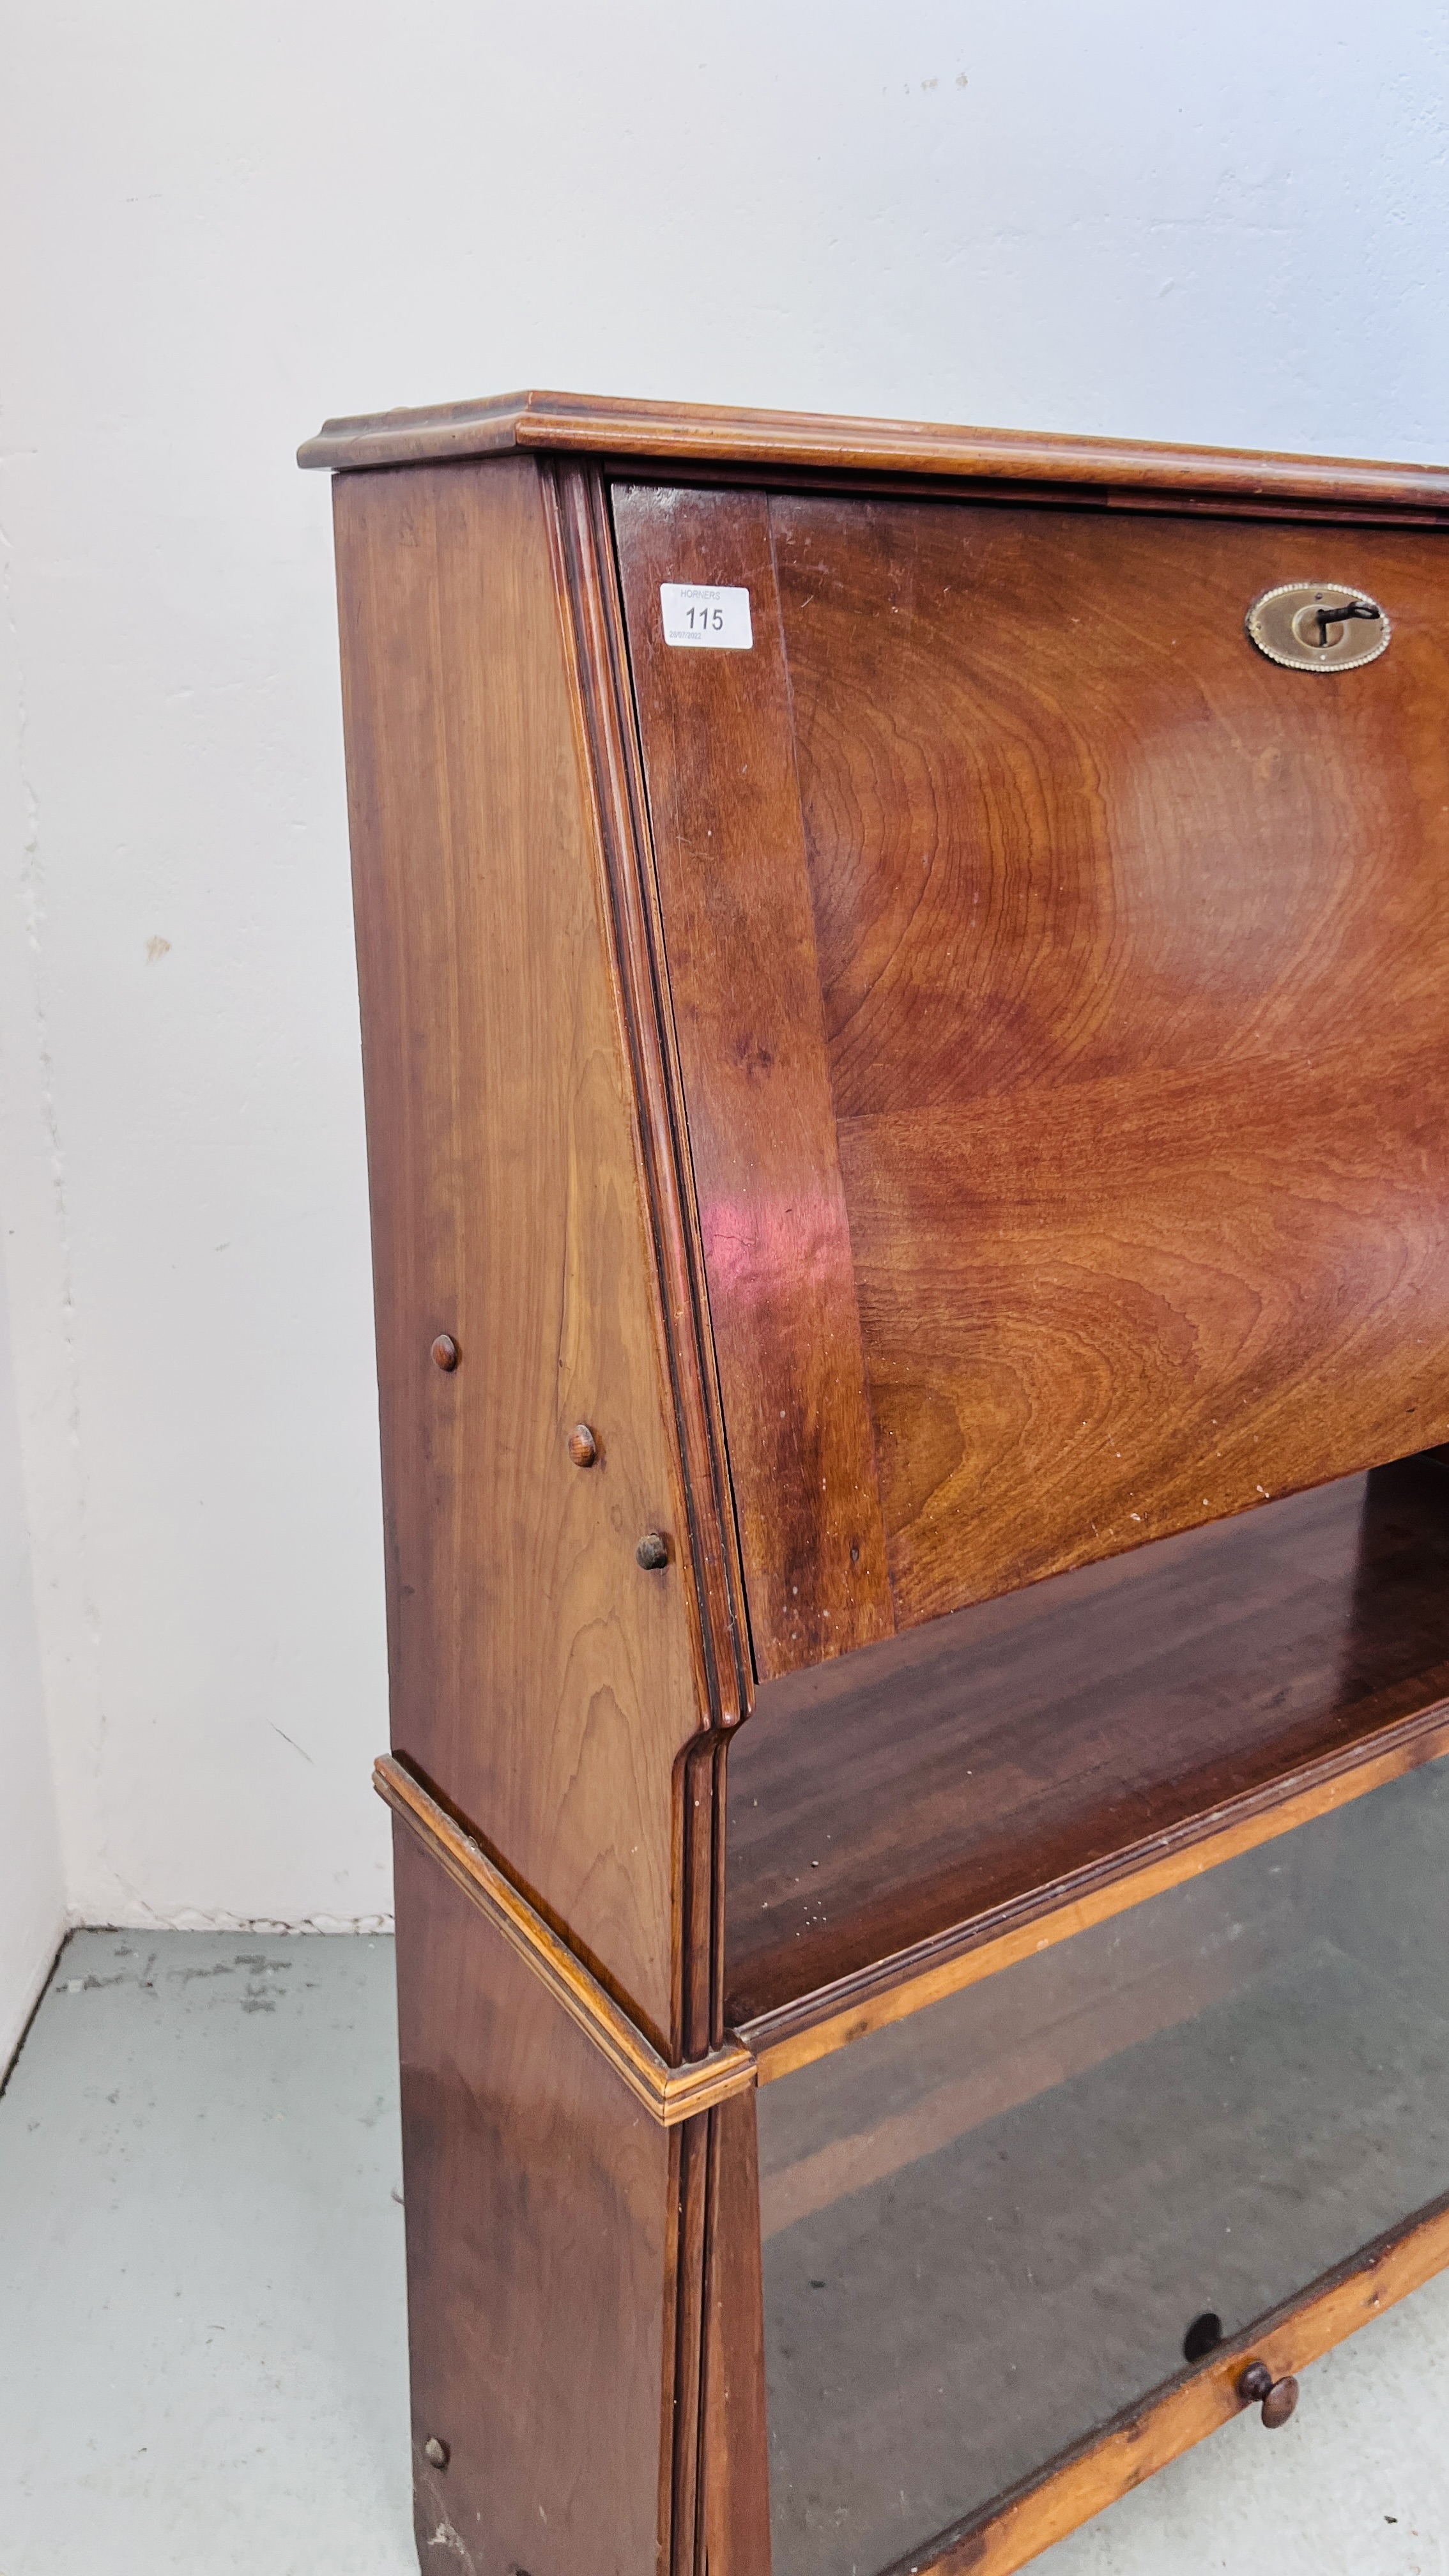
<point x="912" y="1802"/>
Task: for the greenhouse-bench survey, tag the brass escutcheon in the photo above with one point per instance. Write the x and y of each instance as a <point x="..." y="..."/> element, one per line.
<point x="1318" y="626"/>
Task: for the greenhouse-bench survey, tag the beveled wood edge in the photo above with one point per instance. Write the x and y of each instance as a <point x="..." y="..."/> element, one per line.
<point x="682" y="2392"/>
<point x="607" y="425"/>
<point x="750" y="1146"/>
<point x="584" y="539"/>
<point x="863" y="482"/>
<point x="1013" y="2530"/>
<point x="798" y="2033"/>
<point x="669" y="2093"/>
<point x="581" y="533"/>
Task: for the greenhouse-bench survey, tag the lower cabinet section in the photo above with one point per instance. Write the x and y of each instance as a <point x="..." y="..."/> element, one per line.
<point x="990" y="2228"/>
<point x="927" y="2301"/>
<point x="542" y="2207"/>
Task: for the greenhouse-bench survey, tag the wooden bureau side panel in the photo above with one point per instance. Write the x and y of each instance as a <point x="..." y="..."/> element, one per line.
<point x="541" y="2205"/>
<point x="541" y="1681"/>
<point x="744" y="978"/>
<point x="1134" y="950"/>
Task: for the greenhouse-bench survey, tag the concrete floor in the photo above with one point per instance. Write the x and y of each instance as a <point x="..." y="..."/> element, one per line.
<point x="202" y="2355"/>
<point x="202" y="2358"/>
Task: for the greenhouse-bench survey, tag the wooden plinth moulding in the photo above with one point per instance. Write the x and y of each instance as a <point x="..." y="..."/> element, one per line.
<point x="669" y="2093"/>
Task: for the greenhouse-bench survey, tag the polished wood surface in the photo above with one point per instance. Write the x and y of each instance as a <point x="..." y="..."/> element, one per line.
<point x="965" y="1779"/>
<point x="797" y="2034"/>
<point x="539" y="1678"/>
<point x="735" y="2454"/>
<point x="1132" y="949"/>
<point x="541" y="2205"/>
<point x="577" y="495"/>
<point x="1127" y="2453"/>
<point x="1129" y="946"/>
<point x="669" y="2093"/>
<point x="716" y="435"/>
<point x="725" y="809"/>
<point x="577" y="499"/>
<point x="949" y="1100"/>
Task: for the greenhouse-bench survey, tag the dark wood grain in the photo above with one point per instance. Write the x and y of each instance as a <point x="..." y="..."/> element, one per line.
<point x="1052" y="1917"/>
<point x="604" y="700"/>
<point x="933" y="1781"/>
<point x="541" y="2230"/>
<point x="1102" y="1892"/>
<point x="745" y="981"/>
<point x="735" y="2455"/>
<point x="577" y="501"/>
<point x="1132" y="949"/>
<point x="539" y="1678"/>
<point x="692" y="2238"/>
<point x="715" y="434"/>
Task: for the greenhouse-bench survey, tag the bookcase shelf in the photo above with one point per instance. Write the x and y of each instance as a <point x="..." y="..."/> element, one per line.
<point x="894" y="1809"/>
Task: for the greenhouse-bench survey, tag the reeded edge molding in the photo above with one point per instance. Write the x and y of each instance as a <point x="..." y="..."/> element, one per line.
<point x="603" y="425"/>
<point x="580" y="527"/>
<point x="576" y="505"/>
<point x="669" y="2094"/>
<point x="1017" y="2526"/>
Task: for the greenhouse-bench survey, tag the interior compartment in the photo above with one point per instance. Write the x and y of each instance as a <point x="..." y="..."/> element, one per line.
<point x="932" y="1780"/>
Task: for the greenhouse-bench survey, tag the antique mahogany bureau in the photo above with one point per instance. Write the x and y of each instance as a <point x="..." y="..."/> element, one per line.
<point x="903" y="981"/>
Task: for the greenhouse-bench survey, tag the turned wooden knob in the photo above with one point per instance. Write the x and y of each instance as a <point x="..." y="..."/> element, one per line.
<point x="652" y="1551"/>
<point x="445" y="1351"/>
<point x="1278" y="2397"/>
